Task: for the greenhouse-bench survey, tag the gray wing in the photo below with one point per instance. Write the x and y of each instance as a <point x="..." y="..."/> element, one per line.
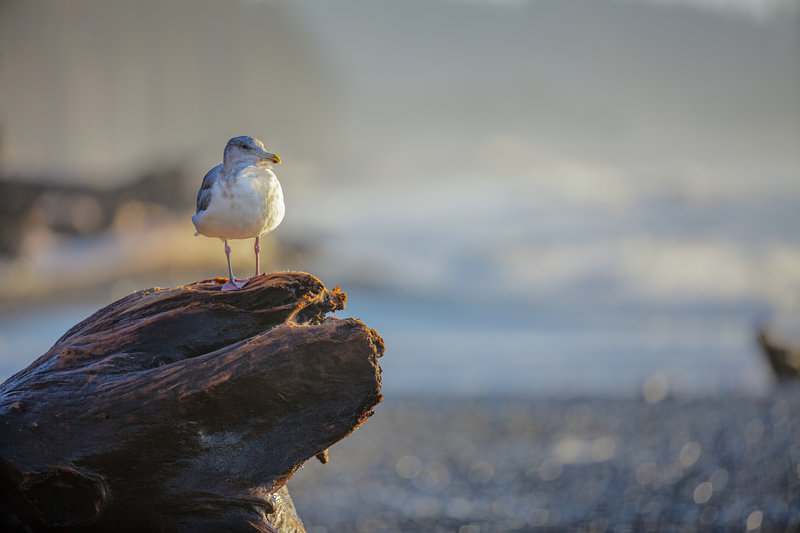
<point x="204" y="194"/>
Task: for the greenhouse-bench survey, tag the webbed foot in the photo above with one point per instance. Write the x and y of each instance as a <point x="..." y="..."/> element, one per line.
<point x="235" y="284"/>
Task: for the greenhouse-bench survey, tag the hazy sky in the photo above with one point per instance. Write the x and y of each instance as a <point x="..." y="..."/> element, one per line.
<point x="614" y="82"/>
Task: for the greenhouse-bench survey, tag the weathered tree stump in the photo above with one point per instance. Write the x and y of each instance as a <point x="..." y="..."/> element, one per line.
<point x="185" y="409"/>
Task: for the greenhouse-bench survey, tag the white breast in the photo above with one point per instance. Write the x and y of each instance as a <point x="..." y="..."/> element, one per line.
<point x="243" y="206"/>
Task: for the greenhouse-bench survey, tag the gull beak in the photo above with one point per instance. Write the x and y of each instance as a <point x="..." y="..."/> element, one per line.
<point x="271" y="157"/>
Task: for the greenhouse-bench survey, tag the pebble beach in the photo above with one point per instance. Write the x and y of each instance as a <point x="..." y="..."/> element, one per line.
<point x="486" y="465"/>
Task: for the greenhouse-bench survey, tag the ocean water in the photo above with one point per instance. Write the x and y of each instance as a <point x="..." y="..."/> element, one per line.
<point x="535" y="296"/>
<point x="540" y="296"/>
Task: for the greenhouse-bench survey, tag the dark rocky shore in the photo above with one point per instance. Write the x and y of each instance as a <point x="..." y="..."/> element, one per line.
<point x="492" y="465"/>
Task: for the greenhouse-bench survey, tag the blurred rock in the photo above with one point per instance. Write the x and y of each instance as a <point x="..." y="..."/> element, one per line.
<point x="70" y="210"/>
<point x="783" y="359"/>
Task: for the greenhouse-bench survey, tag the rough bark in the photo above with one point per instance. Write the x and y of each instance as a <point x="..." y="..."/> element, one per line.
<point x="185" y="409"/>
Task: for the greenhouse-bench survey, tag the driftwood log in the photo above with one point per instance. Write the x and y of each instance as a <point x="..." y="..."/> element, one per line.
<point x="185" y="409"/>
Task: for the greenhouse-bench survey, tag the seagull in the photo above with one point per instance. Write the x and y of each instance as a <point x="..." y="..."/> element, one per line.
<point x="240" y="199"/>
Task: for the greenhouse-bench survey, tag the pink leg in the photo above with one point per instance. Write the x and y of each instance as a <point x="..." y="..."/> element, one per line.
<point x="228" y="255"/>
<point x="257" y="248"/>
<point x="232" y="284"/>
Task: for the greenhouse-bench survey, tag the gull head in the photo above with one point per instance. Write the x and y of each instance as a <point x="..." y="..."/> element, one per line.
<point x="246" y="149"/>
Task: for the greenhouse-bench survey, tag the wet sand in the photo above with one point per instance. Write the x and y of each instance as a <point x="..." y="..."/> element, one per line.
<point x="729" y="463"/>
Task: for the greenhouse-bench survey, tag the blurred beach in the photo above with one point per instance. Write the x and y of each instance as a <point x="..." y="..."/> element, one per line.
<point x="497" y="464"/>
<point x="546" y="201"/>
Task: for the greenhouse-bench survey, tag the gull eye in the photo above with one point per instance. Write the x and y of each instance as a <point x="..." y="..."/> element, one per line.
<point x="245" y="147"/>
